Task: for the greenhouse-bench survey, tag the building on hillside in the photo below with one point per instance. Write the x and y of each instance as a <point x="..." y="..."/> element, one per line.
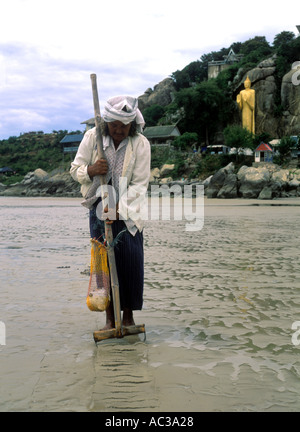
<point x="7" y="171"/>
<point x="215" y="67"/>
<point x="71" y="143"/>
<point x="263" y="153"/>
<point x="217" y="149"/>
<point x="295" y="153"/>
<point x="274" y="143"/>
<point x="89" y="124"/>
<point x="161" y="135"/>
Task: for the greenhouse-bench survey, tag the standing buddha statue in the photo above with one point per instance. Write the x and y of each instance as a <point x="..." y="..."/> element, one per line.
<point x="246" y="102"/>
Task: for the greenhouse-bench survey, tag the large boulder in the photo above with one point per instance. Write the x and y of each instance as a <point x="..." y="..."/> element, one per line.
<point x="266" y="193"/>
<point x="252" y="181"/>
<point x="281" y="176"/>
<point x="280" y="182"/>
<point x="34" y="176"/>
<point x="229" y="188"/>
<point x="290" y="100"/>
<point x="296" y="174"/>
<point x="40" y="183"/>
<point x="166" y="169"/>
<point x="154" y="175"/>
<point x="218" y="179"/>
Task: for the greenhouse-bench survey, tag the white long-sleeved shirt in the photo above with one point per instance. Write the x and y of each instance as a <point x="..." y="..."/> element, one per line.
<point x="135" y="172"/>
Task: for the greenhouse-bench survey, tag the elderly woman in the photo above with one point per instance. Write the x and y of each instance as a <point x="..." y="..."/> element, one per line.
<point x="127" y="154"/>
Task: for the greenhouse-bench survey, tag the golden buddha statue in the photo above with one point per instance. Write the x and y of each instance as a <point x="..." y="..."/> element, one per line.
<point x="246" y="102"/>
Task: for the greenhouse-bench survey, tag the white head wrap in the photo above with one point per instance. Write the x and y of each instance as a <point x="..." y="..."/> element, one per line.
<point x="124" y="109"/>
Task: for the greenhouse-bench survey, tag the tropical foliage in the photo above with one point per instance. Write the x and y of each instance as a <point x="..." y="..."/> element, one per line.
<point x="204" y="106"/>
<point x="32" y="150"/>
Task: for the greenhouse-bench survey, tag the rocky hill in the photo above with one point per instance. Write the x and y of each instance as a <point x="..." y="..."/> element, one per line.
<point x="39" y="183"/>
<point x="264" y="181"/>
<point x="162" y="94"/>
<point x="263" y="78"/>
<point x="264" y="82"/>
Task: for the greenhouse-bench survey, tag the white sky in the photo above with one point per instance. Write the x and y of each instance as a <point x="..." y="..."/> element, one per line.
<point x="48" y="49"/>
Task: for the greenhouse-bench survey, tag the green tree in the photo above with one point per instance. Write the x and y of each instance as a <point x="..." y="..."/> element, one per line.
<point x="203" y="108"/>
<point x="12" y="140"/>
<point x="237" y="137"/>
<point x="193" y="73"/>
<point x="255" y="50"/>
<point x="285" y="147"/>
<point x="287" y="50"/>
<point x="185" y="141"/>
<point x="262" y="137"/>
<point x="196" y="72"/>
<point x="283" y="39"/>
<point x="153" y="114"/>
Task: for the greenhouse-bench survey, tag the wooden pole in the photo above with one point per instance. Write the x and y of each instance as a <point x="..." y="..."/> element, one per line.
<point x="108" y="229"/>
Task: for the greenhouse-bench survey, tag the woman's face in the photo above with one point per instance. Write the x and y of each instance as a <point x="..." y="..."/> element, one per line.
<point x="118" y="131"/>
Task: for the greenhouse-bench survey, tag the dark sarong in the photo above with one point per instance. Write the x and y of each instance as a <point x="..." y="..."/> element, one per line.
<point x="129" y="255"/>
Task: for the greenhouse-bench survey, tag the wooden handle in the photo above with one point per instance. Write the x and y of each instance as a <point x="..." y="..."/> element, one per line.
<point x="108" y="229"/>
<point x="95" y="95"/>
<point x="97" y="114"/>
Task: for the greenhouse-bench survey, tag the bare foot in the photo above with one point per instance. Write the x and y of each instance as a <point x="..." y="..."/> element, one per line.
<point x="128" y="318"/>
<point x="110" y="318"/>
<point x="109" y="326"/>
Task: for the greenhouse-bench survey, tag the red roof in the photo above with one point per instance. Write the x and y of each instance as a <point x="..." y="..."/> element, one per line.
<point x="264" y="147"/>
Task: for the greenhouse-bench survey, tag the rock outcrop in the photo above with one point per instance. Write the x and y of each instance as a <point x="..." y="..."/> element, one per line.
<point x="252" y="180"/>
<point x="162" y="94"/>
<point x="40" y="183"/>
<point x="263" y="81"/>
<point x="223" y="183"/>
<point x="267" y="88"/>
<point x="162" y="175"/>
<point x="265" y="182"/>
<point x="290" y="100"/>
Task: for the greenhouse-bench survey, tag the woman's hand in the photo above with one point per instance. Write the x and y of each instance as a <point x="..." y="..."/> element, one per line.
<point x="115" y="214"/>
<point x="100" y="167"/>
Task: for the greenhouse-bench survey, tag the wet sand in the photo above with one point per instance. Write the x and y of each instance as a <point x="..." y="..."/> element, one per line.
<point x="219" y="305"/>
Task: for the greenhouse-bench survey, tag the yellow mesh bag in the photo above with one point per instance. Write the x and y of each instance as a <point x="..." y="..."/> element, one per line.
<point x="98" y="296"/>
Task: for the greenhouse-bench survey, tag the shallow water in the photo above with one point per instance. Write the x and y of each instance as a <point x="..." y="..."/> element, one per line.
<point x="219" y="306"/>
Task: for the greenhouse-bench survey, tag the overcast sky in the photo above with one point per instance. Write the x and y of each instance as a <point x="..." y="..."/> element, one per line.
<point x="48" y="49"/>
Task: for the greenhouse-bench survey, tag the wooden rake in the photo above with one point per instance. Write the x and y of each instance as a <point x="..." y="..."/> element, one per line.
<point x="119" y="331"/>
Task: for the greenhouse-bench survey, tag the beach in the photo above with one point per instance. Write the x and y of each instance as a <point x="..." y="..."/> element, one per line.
<point x="219" y="307"/>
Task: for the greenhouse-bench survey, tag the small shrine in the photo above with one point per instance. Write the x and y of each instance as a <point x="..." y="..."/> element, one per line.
<point x="263" y="153"/>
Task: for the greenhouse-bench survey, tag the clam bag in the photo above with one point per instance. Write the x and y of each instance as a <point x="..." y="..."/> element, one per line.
<point x="98" y="296"/>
